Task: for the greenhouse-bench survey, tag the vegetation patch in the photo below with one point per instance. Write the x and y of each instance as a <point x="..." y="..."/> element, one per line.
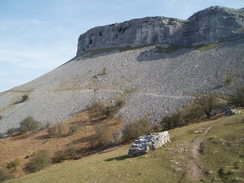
<point x="107" y="50"/>
<point x="29" y="124"/>
<point x="4" y="174"/>
<point x="170" y="49"/>
<point x="135" y="129"/>
<point x="99" y="110"/>
<point x="56" y="130"/>
<point x="24" y="98"/>
<point x="238" y="97"/>
<point x="223" y="148"/>
<point x="13" y="164"/>
<point x="209" y="46"/>
<point x="39" y="161"/>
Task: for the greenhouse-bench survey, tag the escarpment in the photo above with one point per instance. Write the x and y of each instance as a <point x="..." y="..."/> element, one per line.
<point x="209" y="25"/>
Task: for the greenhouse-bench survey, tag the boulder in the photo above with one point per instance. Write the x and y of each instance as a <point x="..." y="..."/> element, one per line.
<point x="148" y="142"/>
<point x="232" y="112"/>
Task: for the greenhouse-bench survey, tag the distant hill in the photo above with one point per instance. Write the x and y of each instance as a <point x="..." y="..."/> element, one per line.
<point x="155" y="64"/>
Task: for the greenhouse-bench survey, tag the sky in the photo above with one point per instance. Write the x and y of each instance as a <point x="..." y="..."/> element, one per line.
<point x="37" y="36"/>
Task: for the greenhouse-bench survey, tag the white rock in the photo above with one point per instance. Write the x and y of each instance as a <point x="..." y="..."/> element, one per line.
<point x="144" y="143"/>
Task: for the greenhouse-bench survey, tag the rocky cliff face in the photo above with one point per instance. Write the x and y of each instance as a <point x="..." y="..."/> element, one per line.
<point x="209" y="25"/>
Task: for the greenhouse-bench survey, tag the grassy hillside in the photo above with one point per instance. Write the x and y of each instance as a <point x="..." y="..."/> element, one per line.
<point x="210" y="151"/>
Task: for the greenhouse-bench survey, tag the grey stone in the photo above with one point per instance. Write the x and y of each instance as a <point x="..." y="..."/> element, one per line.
<point x="206" y="26"/>
<point x="144" y="143"/>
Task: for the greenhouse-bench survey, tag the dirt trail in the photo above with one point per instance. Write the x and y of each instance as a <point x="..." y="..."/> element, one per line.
<point x="194" y="171"/>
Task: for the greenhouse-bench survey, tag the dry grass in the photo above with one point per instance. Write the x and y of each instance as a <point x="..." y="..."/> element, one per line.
<point x="167" y="164"/>
<point x="24" y="147"/>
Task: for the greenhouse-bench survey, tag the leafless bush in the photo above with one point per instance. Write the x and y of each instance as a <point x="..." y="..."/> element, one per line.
<point x="56" y="130"/>
<point x="238" y="97"/>
<point x="172" y="121"/>
<point x="13" y="164"/>
<point x="208" y="103"/>
<point x="29" y="124"/>
<point x="39" y="161"/>
<point x="133" y="130"/>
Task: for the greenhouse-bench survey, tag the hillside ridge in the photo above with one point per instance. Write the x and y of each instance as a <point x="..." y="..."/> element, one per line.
<point x="206" y="26"/>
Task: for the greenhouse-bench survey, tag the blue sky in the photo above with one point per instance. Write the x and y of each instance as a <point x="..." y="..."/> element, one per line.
<point x="37" y="36"/>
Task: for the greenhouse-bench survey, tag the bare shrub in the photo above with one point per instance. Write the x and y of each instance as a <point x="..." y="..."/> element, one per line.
<point x="56" y="130"/>
<point x="59" y="157"/>
<point x="11" y="131"/>
<point x="29" y="124"/>
<point x="192" y="113"/>
<point x="105" y="134"/>
<point x="105" y="71"/>
<point x="70" y="153"/>
<point x="98" y="109"/>
<point x="24" y="98"/>
<point x="133" y="130"/>
<point x="172" y="121"/>
<point x="208" y="103"/>
<point x="13" y="164"/>
<point x="73" y="129"/>
<point x="39" y="161"/>
<point x="4" y="174"/>
<point x="238" y="97"/>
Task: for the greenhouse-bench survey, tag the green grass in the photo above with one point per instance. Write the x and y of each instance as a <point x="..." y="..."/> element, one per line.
<point x="160" y="165"/>
<point x="170" y="49"/>
<point x="107" y="50"/>
<point x="224" y="148"/>
<point x="240" y="30"/>
<point x="209" y="46"/>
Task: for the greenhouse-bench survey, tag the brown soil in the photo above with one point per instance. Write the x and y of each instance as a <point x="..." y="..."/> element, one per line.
<point x="22" y="147"/>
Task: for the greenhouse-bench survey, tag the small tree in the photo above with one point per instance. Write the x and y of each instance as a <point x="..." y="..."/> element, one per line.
<point x="133" y="130"/>
<point x="105" y="71"/>
<point x="39" y="161"/>
<point x="172" y="121"/>
<point x="105" y="133"/>
<point x="29" y="124"/>
<point x="208" y="103"/>
<point x="238" y="97"/>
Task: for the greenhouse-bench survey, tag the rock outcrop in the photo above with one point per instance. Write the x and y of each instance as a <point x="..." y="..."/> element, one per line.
<point x="148" y="142"/>
<point x="232" y="112"/>
<point x="206" y="26"/>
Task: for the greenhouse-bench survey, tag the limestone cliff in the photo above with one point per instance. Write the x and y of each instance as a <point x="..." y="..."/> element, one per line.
<point x="209" y="25"/>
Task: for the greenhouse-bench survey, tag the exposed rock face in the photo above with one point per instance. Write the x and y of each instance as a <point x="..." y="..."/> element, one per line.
<point x="148" y="142"/>
<point x="209" y="25"/>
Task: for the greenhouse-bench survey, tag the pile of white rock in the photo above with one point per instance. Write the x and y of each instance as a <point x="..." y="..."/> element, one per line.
<point x="232" y="112"/>
<point x="148" y="142"/>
